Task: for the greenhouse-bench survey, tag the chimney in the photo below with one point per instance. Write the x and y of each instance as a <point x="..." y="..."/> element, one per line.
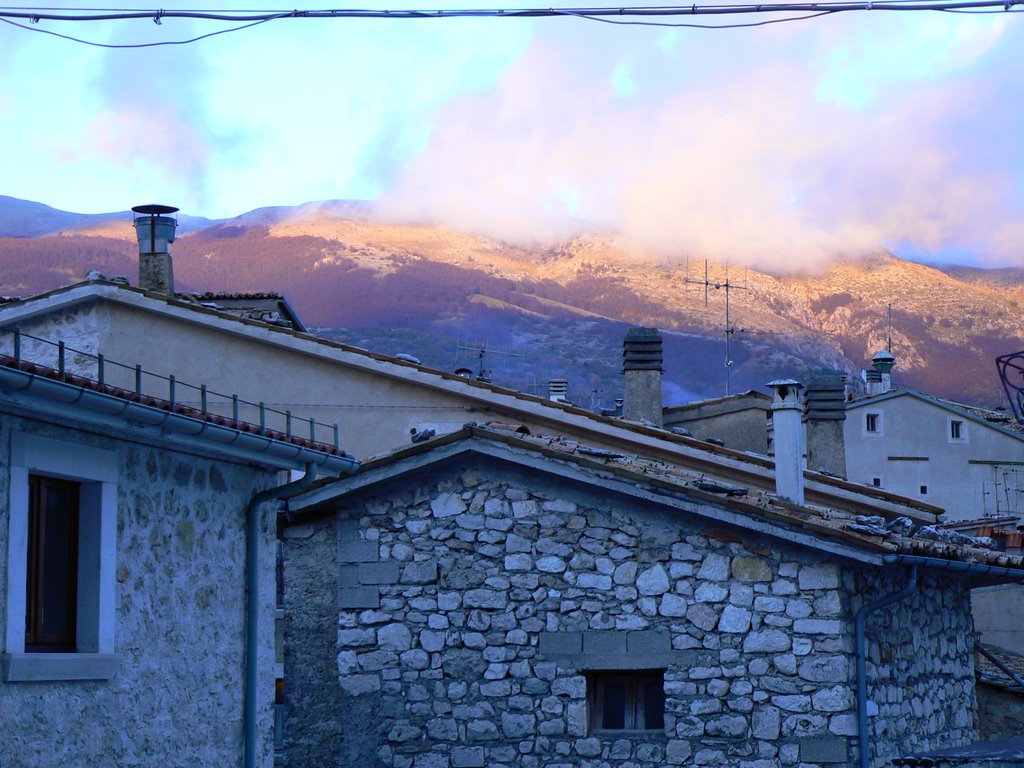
<point x="788" y="439"/>
<point x="641" y="364"/>
<point x="155" y="230"/>
<point x="883" y="362"/>
<point x="824" y="418"/>
<point x="558" y="389"/>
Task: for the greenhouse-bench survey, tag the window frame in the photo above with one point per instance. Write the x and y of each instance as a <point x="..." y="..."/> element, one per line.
<point x="637" y="682"/>
<point x="40" y="578"/>
<point x="96" y="472"/>
<point x="873" y="419"/>
<point x="957" y="426"/>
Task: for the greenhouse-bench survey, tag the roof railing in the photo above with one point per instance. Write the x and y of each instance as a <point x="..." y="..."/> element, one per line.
<point x="26" y="348"/>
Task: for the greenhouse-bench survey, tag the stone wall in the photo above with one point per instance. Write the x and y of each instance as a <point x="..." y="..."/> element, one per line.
<point x="472" y="605"/>
<point x="920" y="664"/>
<point x="176" y="699"/>
<point x="1000" y="712"/>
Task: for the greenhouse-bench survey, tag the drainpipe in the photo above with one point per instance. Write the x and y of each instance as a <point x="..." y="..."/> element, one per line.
<point x="862" y="673"/>
<point x="252" y="602"/>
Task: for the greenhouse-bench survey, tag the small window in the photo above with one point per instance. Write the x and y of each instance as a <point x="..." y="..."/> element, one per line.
<point x="51" y="599"/>
<point x="871" y="422"/>
<point x="924" y="490"/>
<point x="876" y="481"/>
<point x="956" y="430"/>
<point x="627" y="701"/>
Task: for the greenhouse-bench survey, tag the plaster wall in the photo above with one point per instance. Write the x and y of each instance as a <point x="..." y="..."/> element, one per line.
<point x="743" y="430"/>
<point x="980" y="474"/>
<point x="176" y="698"/>
<point x="470" y="607"/>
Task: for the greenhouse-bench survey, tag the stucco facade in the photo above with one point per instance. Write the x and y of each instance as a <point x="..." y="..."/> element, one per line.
<point x="171" y="645"/>
<point x="922" y="448"/>
<point x="463" y="613"/>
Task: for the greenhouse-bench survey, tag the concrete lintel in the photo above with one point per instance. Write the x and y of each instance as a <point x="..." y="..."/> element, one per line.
<point x="39" y="667"/>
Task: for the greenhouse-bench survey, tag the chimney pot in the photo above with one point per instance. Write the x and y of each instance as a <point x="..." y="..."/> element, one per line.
<point x="787" y="410"/>
<point x="824" y="418"/>
<point x="154" y="228"/>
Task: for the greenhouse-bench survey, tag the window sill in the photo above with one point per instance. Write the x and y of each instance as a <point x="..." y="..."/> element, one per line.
<point x="40" y="667"/>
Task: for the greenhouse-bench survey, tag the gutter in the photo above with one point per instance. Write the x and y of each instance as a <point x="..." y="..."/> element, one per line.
<point x="863" y="745"/>
<point x="252" y="603"/>
<point x="69" y="400"/>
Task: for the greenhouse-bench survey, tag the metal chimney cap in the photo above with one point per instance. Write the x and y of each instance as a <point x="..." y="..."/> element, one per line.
<point x="154" y="209"/>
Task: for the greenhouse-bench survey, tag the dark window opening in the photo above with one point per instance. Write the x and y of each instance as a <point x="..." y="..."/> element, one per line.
<point x="956" y="430"/>
<point x="924" y="490"/>
<point x="627" y="701"/>
<point x="51" y="603"/>
<point x="871" y="422"/>
<point x="876" y="481"/>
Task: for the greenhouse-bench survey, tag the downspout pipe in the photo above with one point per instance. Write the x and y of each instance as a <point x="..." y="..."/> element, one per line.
<point x="252" y="602"/>
<point x="864" y="748"/>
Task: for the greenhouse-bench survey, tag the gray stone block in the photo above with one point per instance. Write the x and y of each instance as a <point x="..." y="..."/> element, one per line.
<point x="824" y="749"/>
<point x="358" y="551"/>
<point x="348" y="575"/>
<point x="557" y="643"/>
<point x="609" y="641"/>
<point x="348" y="530"/>
<point x="358" y="597"/>
<point x="420" y="573"/>
<point x="468" y="757"/>
<point x="378" y="573"/>
<point x="649" y="641"/>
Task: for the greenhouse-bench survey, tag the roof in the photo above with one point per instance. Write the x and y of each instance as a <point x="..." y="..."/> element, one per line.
<point x="727" y="464"/>
<point x="840" y="533"/>
<point x="1008" y="752"/>
<point x="1002" y="421"/>
<point x="729" y="403"/>
<point x="989" y="672"/>
<point x="270" y="308"/>
<point x="48" y="389"/>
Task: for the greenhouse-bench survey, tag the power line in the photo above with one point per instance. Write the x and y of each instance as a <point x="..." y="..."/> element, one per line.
<point x="638" y="15"/>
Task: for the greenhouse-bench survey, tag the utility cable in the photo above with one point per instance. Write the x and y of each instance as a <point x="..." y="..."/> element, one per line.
<point x="607" y="15"/>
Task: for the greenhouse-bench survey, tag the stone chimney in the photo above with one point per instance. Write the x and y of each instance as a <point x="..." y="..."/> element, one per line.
<point x="824" y="419"/>
<point x="155" y="229"/>
<point x="558" y="389"/>
<point x="788" y="439"/>
<point x="641" y="364"/>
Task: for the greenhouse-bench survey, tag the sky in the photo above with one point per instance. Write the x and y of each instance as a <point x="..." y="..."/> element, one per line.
<point x="779" y="146"/>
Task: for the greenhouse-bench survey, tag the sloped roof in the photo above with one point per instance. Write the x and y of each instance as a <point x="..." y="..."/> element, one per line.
<point x="830" y="530"/>
<point x="1002" y="421"/>
<point x="728" y="464"/>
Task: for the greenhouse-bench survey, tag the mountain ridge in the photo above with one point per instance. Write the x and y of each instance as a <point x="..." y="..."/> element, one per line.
<point x="417" y="288"/>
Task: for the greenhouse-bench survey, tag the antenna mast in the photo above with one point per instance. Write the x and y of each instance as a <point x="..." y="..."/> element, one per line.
<point x="729" y="330"/>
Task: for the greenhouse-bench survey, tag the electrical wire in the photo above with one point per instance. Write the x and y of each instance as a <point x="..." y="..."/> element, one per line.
<point x="132" y="45"/>
<point x="607" y="15"/>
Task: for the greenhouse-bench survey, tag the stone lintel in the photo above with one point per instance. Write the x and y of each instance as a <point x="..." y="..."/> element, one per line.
<point x="37" y="667"/>
<point x="358" y="551"/>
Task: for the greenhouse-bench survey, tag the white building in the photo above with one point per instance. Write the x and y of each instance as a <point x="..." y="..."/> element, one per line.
<point x="968" y="460"/>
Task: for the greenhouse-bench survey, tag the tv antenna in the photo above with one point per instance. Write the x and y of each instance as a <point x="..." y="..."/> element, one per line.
<point x="728" y="287"/>
<point x="480" y="351"/>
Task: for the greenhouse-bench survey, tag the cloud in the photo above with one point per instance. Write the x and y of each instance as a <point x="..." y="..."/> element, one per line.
<point x="724" y="147"/>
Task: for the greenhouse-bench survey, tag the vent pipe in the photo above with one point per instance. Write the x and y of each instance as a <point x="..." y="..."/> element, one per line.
<point x="824" y="420"/>
<point x="788" y="439"/>
<point x="641" y="363"/>
<point x="155" y="229"/>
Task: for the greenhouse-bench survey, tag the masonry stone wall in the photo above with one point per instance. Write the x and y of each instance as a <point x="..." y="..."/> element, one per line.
<point x="176" y="699"/>
<point x="1000" y="712"/>
<point x="471" y="606"/>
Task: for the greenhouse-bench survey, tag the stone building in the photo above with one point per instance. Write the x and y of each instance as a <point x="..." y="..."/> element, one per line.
<point x="136" y="550"/>
<point x="492" y="598"/>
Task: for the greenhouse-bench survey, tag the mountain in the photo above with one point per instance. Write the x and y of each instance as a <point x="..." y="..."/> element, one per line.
<point x="561" y="311"/>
